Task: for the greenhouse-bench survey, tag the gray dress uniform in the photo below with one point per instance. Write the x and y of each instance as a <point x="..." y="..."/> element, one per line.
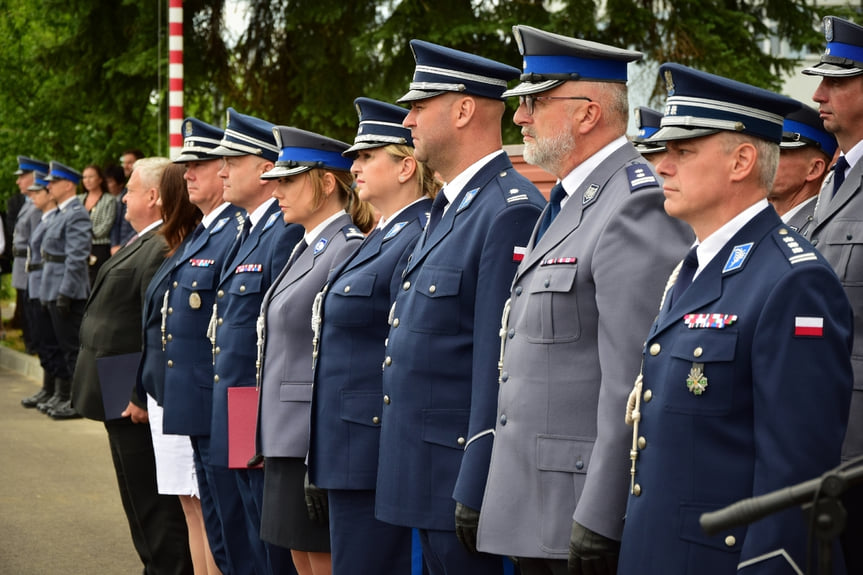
<point x="65" y="249"/>
<point x="582" y="301"/>
<point x="28" y="219"/>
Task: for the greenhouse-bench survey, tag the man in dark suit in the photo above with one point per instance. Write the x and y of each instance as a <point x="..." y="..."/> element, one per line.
<point x="746" y="374"/>
<point x="440" y="370"/>
<point x="112" y="327"/>
<point x="837" y="220"/>
<point x="576" y="324"/>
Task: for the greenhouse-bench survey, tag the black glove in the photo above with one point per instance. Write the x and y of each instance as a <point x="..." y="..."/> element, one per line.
<point x="466" y="526"/>
<point x="316" y="501"/>
<point x="591" y="553"/>
<point x="64" y="305"/>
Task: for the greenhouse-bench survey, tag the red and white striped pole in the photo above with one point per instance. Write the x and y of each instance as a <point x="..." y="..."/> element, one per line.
<point x="175" y="77"/>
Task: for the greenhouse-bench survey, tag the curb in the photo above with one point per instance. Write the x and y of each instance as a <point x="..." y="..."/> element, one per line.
<point x="26" y="365"/>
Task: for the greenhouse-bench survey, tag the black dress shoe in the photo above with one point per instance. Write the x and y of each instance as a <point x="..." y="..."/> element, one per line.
<point x="49" y="404"/>
<point x="64" y="411"/>
<point x="36" y="399"/>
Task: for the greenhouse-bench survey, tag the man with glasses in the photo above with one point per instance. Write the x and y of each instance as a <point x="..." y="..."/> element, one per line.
<point x="583" y="299"/>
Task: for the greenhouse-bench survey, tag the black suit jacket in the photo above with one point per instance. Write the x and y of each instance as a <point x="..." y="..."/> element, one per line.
<point x="112" y="318"/>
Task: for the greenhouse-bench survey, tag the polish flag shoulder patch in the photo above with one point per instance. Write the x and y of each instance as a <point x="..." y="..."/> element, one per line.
<point x="809" y="326"/>
<point x="518" y="253"/>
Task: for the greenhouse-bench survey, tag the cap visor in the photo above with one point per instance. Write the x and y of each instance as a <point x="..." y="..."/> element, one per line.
<point x="649" y="148"/>
<point x="832" y="70"/>
<point x="194" y="157"/>
<point x="225" y="151"/>
<point x="352" y="151"/>
<point x="526" y="88"/>
<point x="792" y="145"/>
<point x="284" y="172"/>
<point x="415" y="95"/>
<point x="35" y="188"/>
<point x="677" y="133"/>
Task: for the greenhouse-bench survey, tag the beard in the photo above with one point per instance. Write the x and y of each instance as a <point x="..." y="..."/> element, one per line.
<point x="547" y="153"/>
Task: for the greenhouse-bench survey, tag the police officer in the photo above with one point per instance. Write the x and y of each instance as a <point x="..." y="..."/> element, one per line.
<point x="188" y="392"/>
<point x="346" y="403"/>
<point x="647" y="122"/>
<point x="804" y="155"/>
<point x="26" y="221"/>
<point x="255" y="258"/>
<point x="838" y="217"/>
<point x="576" y="324"/>
<point x="45" y="341"/>
<point x="65" y="284"/>
<point x="746" y="376"/>
<point x="440" y="367"/>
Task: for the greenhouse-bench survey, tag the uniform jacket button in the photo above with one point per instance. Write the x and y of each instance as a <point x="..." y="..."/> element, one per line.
<point x="648" y="395"/>
<point x="655" y="349"/>
<point x="387" y="399"/>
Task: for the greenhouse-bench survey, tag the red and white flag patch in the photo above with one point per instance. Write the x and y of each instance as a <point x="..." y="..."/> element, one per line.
<point x="518" y="253"/>
<point x="809" y="326"/>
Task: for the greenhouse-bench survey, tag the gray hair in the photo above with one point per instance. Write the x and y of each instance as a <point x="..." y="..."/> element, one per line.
<point x="150" y="170"/>
<point x="768" y="155"/>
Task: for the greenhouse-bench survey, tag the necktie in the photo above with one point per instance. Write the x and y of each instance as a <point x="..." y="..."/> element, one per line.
<point x="685" y="275"/>
<point x="298" y="249"/>
<point x="554" y="201"/>
<point x="247" y="227"/>
<point x="839" y="173"/>
<point x="436" y="215"/>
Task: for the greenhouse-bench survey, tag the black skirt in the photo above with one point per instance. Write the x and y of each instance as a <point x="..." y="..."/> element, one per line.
<point x="285" y="520"/>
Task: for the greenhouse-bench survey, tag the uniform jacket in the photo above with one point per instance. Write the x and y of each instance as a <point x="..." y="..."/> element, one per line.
<point x="801" y="221"/>
<point x="28" y="219"/>
<point x="67" y="236"/>
<point x="188" y="390"/>
<point x="440" y="369"/>
<point x="151" y="372"/>
<point x="582" y="300"/>
<point x="112" y="318"/>
<point x="772" y="414"/>
<point x="286" y="385"/>
<point x="837" y="232"/>
<point x="347" y="396"/>
<point x="241" y="288"/>
<point x="34" y="264"/>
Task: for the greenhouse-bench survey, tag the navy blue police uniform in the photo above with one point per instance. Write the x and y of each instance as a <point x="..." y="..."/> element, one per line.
<point x="746" y="377"/>
<point x="347" y="394"/>
<point x="440" y="368"/>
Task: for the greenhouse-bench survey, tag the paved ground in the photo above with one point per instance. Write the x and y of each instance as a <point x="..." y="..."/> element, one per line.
<point x="60" y="510"/>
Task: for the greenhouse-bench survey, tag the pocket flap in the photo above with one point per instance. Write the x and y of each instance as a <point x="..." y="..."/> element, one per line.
<point x="705" y="345"/>
<point x="559" y="453"/>
<point x="446" y="426"/>
<point x="730" y="540"/>
<point x="204" y="279"/>
<point x="557" y="278"/>
<point x="844" y="232"/>
<point x="246" y="283"/>
<point x="436" y="281"/>
<point x="361" y="407"/>
<point x="295" y="392"/>
<point x="358" y="285"/>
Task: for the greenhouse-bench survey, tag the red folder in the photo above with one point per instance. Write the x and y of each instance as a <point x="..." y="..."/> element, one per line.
<point x="242" y="426"/>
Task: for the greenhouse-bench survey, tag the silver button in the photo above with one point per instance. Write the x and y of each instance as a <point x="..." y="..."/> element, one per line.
<point x="376" y="420"/>
<point x="461" y="441"/>
<point x="642" y="443"/>
<point x="387" y="399"/>
<point x="195" y="283"/>
<point x="636" y="489"/>
<point x="175" y="284"/>
<point x="221" y="293"/>
<point x="347" y="289"/>
<point x="432" y="289"/>
<point x="698" y="351"/>
<point x="218" y="350"/>
<point x="170" y="337"/>
<point x="170" y="363"/>
<point x="388" y="361"/>
<point x="219" y="321"/>
<point x="396" y="322"/>
<point x="406" y="286"/>
<point x="216" y="378"/>
<point x="242" y="288"/>
<point x="730" y="541"/>
<point x="655" y="349"/>
<point x="170" y="310"/>
<point x="648" y="395"/>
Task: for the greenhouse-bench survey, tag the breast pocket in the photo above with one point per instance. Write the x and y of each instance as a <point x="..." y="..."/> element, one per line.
<point x="845" y="238"/>
<point x="699" y="357"/>
<point x="437" y="301"/>
<point x="202" y="279"/>
<point x="246" y="284"/>
<point x="350" y="302"/>
<point x="552" y="309"/>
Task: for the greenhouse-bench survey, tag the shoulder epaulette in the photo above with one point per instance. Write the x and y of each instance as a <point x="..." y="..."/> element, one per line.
<point x="516" y="195"/>
<point x="640" y="176"/>
<point x="352" y="232"/>
<point x="795" y="251"/>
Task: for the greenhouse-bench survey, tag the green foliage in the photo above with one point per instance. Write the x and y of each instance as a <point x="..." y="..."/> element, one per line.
<point x="77" y="86"/>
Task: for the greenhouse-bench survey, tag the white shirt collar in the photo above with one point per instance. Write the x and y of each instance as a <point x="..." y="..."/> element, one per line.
<point x="155" y="224"/>
<point x="786" y="217"/>
<point x="573" y="180"/>
<point x="259" y="212"/>
<point x="312" y="235"/>
<point x="213" y="215"/>
<point x="382" y="223"/>
<point x="452" y="189"/>
<point x="65" y="203"/>
<point x="713" y="243"/>
<point x="854" y="154"/>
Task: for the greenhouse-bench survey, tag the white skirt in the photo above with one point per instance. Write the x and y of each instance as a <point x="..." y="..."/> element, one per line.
<point x="175" y="460"/>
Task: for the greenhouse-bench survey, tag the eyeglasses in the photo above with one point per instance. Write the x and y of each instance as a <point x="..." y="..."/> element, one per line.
<point x="529" y="100"/>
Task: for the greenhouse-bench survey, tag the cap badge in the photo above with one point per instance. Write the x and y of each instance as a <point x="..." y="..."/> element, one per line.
<point x="669" y="83"/>
<point x="828" y="29"/>
<point x="188" y="130"/>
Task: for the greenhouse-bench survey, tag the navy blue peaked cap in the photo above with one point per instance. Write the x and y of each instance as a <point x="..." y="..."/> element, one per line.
<point x="843" y="56"/>
<point x="199" y="141"/>
<point x="700" y="104"/>
<point x="805" y="128"/>
<point x="39" y="181"/>
<point x="58" y="171"/>
<point x="26" y="164"/>
<point x="380" y="125"/>
<point x="302" y="151"/>
<point x="647" y="121"/>
<point x="247" y="136"/>
<point x="551" y="59"/>
<point x="440" y="69"/>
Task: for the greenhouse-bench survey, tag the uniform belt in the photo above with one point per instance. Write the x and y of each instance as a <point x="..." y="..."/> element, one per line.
<point x="19" y="252"/>
<point x="53" y="259"/>
<point x="34" y="267"/>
